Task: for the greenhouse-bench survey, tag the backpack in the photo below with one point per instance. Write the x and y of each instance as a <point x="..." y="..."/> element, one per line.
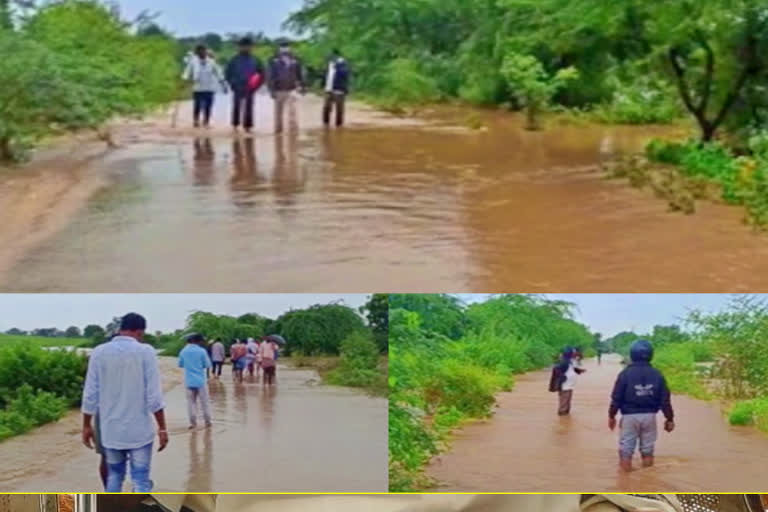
<point x="556" y="379"/>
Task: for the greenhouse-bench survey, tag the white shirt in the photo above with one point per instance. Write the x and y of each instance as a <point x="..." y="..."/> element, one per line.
<point x="205" y="73"/>
<point x="331" y="76"/>
<point x="570" y="376"/>
<point x="123" y="387"/>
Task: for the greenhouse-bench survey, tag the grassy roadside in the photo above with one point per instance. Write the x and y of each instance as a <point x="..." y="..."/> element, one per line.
<point x="39" y="341"/>
<point x="332" y="372"/>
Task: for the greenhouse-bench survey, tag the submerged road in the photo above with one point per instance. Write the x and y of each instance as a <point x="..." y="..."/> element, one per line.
<point x="384" y="204"/>
<point x="299" y="436"/>
<point x="526" y="447"/>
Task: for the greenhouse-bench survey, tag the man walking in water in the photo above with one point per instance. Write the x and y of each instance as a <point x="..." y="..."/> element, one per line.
<point x="336" y="88"/>
<point x="218" y="356"/>
<point x="245" y="75"/>
<point x="123" y="387"/>
<point x="563" y="379"/>
<point x="639" y="394"/>
<point x="207" y="78"/>
<point x="194" y="359"/>
<point x="286" y="76"/>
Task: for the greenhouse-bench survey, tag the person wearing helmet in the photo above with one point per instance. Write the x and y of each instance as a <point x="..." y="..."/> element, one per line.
<point x="195" y="361"/>
<point x="639" y="394"/>
<point x="563" y="380"/>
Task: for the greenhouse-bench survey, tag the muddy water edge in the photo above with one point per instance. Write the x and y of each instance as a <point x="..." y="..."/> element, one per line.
<point x="387" y="203"/>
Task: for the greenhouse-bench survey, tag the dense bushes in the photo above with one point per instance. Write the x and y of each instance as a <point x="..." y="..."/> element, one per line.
<point x="37" y="386"/>
<point x="360" y="365"/>
<point x="74" y="64"/>
<point x="318" y="330"/>
<point x="743" y="180"/>
<point x="448" y="361"/>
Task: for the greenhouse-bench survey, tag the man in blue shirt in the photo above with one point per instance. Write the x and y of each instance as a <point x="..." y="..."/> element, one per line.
<point x="194" y="359"/>
<point x="123" y="387"/>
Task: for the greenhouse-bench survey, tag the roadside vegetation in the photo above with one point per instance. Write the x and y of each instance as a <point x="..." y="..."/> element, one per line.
<point x="449" y="359"/>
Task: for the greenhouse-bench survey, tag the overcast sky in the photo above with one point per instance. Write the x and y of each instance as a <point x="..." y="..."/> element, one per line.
<point x="195" y="17"/>
<point x="611" y="314"/>
<point x="163" y="312"/>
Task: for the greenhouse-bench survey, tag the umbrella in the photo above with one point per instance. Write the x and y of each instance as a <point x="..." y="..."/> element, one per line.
<point x="276" y="338"/>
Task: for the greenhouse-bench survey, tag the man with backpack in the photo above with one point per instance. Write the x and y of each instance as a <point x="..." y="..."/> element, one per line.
<point x="336" y="88"/>
<point x="286" y="76"/>
<point x="639" y="394"/>
<point x="563" y="379"/>
<point x="245" y="75"/>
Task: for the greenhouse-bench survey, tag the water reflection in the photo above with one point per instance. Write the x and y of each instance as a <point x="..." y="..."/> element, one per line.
<point x="203" y="161"/>
<point x="244" y="165"/>
<point x="287" y="174"/>
<point x="200" y="459"/>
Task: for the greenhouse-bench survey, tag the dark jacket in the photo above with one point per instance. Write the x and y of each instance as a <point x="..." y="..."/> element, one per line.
<point x="240" y="70"/>
<point x="640" y="388"/>
<point x="341" y="77"/>
<point x="285" y="74"/>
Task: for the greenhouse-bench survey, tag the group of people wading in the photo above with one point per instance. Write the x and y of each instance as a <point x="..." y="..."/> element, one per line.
<point x="244" y="75"/>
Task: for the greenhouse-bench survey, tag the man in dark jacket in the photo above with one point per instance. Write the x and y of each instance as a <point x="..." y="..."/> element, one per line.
<point x="336" y="88"/>
<point x="285" y="76"/>
<point x="639" y="394"/>
<point x="245" y="74"/>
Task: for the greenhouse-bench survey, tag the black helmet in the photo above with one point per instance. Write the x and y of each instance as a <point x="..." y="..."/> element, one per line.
<point x="641" y="350"/>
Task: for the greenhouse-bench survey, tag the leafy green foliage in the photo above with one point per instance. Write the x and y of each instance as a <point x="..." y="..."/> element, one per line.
<point x="376" y="311"/>
<point x="318" y="330"/>
<point x="360" y="365"/>
<point x="74" y="64"/>
<point x="37" y="386"/>
<point x="528" y="79"/>
<point x="39" y="341"/>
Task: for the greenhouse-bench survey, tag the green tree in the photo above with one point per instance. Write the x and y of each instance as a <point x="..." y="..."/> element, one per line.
<point x="93" y="331"/>
<point x="527" y="77"/>
<point x="72" y="332"/>
<point x="376" y="311"/>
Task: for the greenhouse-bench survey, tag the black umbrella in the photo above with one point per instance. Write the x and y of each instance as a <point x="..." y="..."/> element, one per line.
<point x="276" y="338"/>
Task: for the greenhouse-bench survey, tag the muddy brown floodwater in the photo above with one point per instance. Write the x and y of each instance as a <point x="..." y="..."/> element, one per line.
<point x="385" y="204"/>
<point x="300" y="436"/>
<point x="526" y="447"/>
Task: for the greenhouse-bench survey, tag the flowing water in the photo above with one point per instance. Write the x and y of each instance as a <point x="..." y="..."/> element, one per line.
<point x="385" y="204"/>
<point x="526" y="447"/>
<point x="297" y="437"/>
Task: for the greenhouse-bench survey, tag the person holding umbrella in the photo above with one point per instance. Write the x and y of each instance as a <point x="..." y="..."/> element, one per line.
<point x="268" y="350"/>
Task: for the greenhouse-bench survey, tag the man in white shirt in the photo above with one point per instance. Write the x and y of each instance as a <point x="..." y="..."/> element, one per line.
<point x="207" y="79"/>
<point x="123" y="387"/>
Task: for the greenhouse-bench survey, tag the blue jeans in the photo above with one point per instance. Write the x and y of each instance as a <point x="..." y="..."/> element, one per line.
<point x="117" y="460"/>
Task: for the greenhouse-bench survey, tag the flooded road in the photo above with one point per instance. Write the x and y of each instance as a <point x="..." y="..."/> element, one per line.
<point x="300" y="436"/>
<point x="385" y="204"/>
<point x="527" y="447"/>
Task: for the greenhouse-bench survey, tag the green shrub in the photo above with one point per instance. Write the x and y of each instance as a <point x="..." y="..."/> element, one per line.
<point x="742" y="413"/>
<point x="640" y="101"/>
<point x="402" y="82"/>
<point x="359" y="364"/>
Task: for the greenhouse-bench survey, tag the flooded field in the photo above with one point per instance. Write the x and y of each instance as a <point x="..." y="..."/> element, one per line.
<point x="385" y="204"/>
<point x="526" y="447"/>
<point x="298" y="436"/>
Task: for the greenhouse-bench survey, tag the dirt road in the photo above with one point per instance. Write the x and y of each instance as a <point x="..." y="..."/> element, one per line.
<point x="526" y="447"/>
<point x="384" y="204"/>
<point x="300" y="436"/>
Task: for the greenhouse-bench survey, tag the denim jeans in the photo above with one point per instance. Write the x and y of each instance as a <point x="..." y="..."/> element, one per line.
<point x="140" y="460"/>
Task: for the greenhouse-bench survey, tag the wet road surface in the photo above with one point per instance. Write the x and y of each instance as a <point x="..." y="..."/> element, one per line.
<point x="298" y="437"/>
<point x="385" y="204"/>
<point x="526" y="447"/>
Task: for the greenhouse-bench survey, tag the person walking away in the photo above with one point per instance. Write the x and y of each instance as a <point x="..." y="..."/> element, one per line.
<point x="207" y="78"/>
<point x="194" y="359"/>
<point x="336" y="88"/>
<point x="285" y="77"/>
<point x="250" y="357"/>
<point x="563" y="380"/>
<point x="245" y="75"/>
<point x="237" y="353"/>
<point x="640" y="392"/>
<point x="268" y="351"/>
<point x="123" y="387"/>
<point x="217" y="357"/>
